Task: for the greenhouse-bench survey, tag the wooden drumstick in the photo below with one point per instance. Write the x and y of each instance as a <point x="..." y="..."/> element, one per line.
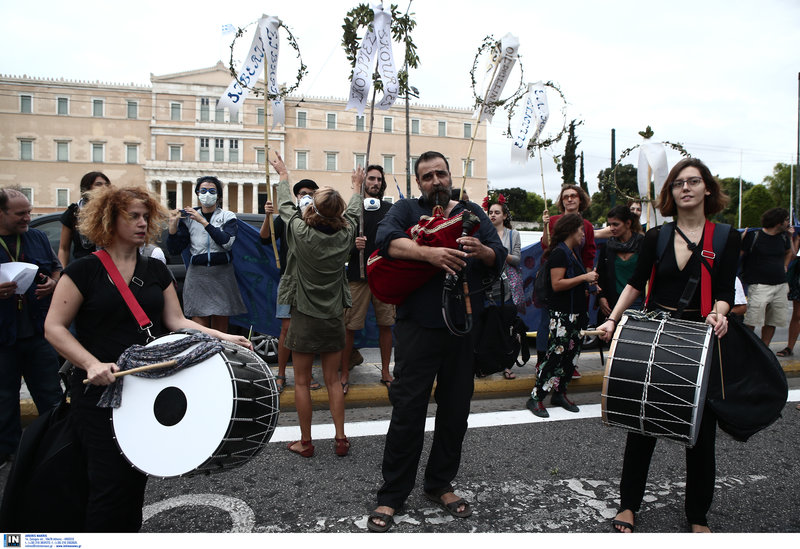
<point x="155" y="366"/>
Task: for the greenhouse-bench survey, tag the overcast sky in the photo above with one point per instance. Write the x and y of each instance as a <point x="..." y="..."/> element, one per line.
<point x="718" y="76"/>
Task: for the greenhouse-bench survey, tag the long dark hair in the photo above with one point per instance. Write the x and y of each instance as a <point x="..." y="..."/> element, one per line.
<point x="88" y="180"/>
<point x="565" y="226"/>
<point x="624" y="213"/>
<point x="506" y="212"/>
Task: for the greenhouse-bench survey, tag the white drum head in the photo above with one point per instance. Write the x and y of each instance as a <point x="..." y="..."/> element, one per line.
<point x="169" y="426"/>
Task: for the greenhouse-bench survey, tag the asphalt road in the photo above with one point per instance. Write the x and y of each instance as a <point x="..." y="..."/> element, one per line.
<point x="553" y="476"/>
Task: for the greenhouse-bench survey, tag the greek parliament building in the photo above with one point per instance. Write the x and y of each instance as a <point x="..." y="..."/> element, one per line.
<point x="171" y="132"/>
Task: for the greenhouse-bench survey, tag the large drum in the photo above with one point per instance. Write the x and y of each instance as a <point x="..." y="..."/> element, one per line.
<point x="656" y="377"/>
<point x="206" y="418"/>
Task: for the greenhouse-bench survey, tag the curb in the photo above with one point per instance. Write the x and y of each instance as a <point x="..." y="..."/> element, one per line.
<point x="363" y="395"/>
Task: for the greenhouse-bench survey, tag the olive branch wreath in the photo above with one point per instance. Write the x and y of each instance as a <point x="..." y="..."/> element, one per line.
<point x="490" y="43"/>
<point x="549" y="142"/>
<point x="285" y="91"/>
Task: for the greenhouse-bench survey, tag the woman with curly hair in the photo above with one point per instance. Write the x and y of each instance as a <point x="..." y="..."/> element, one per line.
<point x="570" y="281"/>
<point x="315" y="284"/>
<point x="119" y="220"/>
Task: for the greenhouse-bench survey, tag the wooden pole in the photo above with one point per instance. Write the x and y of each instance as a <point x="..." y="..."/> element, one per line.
<point x="361" y="272"/>
<point x="155" y="366"/>
<point x="546" y="232"/>
<point x="266" y="171"/>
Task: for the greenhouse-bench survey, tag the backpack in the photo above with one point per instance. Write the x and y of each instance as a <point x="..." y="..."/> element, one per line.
<point x="542" y="288"/>
<point x="502" y="339"/>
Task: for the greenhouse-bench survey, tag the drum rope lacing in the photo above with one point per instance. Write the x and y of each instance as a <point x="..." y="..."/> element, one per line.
<point x="136" y="356"/>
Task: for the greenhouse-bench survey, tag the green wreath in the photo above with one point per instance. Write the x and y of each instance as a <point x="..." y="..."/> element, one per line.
<point x="301" y="72"/>
<point x="547" y="142"/>
<point x="401" y="27"/>
<point x="490" y="43"/>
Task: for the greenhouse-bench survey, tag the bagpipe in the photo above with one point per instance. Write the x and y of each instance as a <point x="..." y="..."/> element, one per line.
<point x="393" y="280"/>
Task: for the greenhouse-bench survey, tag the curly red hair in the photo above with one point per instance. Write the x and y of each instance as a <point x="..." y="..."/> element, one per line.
<point x="98" y="218"/>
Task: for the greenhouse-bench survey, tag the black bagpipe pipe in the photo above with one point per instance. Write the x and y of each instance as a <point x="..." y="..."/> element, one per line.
<point x="451" y="284"/>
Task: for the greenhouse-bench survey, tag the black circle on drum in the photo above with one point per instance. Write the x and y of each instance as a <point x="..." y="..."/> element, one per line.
<point x="169" y="407"/>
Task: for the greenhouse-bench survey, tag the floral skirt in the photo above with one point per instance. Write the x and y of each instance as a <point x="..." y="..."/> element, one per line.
<point x="555" y="371"/>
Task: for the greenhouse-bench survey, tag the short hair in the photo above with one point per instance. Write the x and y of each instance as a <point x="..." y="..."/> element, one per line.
<point x="98" y="218"/>
<point x="565" y="226"/>
<point x="7" y="194"/>
<point x="774" y="217"/>
<point x="209" y="179"/>
<point x="714" y="202"/>
<point x="427" y="157"/>
<point x="624" y="213"/>
<point x="506" y="211"/>
<point x="326" y="209"/>
<point x="383" y="178"/>
<point x="583" y="198"/>
<point x="88" y="180"/>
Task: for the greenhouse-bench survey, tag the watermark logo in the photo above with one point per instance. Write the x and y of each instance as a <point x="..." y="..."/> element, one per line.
<point x="12" y="540"/>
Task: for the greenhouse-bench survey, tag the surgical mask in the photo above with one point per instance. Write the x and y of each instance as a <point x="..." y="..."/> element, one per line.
<point x="304" y="202"/>
<point x="207" y="199"/>
<point x="372" y="204"/>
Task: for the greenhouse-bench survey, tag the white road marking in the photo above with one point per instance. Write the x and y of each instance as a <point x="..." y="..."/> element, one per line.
<point x="242" y="516"/>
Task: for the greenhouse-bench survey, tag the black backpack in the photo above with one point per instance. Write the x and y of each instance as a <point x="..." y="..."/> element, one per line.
<point x="502" y="339"/>
<point x="542" y="288"/>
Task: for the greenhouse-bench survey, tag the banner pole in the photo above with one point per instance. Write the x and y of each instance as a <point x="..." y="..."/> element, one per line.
<point x="266" y="171"/>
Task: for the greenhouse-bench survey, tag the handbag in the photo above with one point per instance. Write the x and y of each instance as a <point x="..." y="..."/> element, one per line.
<point x="515" y="285"/>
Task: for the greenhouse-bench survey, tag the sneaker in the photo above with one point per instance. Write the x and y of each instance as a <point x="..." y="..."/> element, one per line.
<point x="576" y="374"/>
<point x="537" y="408"/>
<point x="560" y="399"/>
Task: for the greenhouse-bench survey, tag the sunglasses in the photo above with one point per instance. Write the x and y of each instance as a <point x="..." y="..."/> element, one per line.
<point x="209" y="191"/>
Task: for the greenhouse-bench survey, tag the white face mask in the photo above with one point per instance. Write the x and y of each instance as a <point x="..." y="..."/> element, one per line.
<point x="305" y="201"/>
<point x="372" y="204"/>
<point x="208" y="199"/>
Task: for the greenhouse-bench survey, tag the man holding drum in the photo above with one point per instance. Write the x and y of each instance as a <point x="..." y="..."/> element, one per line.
<point x="690" y="194"/>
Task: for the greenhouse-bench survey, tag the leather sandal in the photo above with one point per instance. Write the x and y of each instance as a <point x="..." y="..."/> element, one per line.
<point x="341" y="446"/>
<point x="452" y="507"/>
<point x="282" y="385"/>
<point x="307" y="452"/>
<point x="388" y="521"/>
<point x="786" y="351"/>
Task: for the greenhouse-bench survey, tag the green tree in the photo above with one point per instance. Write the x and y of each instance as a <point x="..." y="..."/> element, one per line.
<point x="731" y="187"/>
<point x="756" y="201"/>
<point x="621" y="182"/>
<point x="569" y="160"/>
<point x="582" y="180"/>
<point x="779" y="183"/>
<point x="523" y="205"/>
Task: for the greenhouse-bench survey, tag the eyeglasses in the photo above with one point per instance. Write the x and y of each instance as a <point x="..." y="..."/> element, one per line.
<point x="692" y="181"/>
<point x="209" y="191"/>
<point x="441" y="174"/>
<point x="570" y="197"/>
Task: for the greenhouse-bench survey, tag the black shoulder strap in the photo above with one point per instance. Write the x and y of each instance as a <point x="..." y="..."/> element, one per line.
<point x="664" y="234"/>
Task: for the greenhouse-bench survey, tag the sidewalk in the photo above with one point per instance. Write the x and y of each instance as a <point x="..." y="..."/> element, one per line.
<point x="366" y="389"/>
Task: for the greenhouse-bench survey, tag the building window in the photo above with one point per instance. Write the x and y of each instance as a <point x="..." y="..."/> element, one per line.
<point x="234" y="117"/>
<point x="62" y="151"/>
<point x="98" y="150"/>
<point x="97" y="107"/>
<point x="219" y="150"/>
<point x="467" y="168"/>
<point x="260" y="116"/>
<point x="233" y="151"/>
<point x="467" y="130"/>
<point x="415" y="126"/>
<point x="260" y="156"/>
<point x="175" y="111"/>
<point x="330" y="161"/>
<point x="388" y="163"/>
<point x="412" y="163"/>
<point x="26" y="104"/>
<point x="175" y="153"/>
<point x="28" y="192"/>
<point x="62" y="198"/>
<point x="205" y="110"/>
<point x="204" y="149"/>
<point x="331" y="120"/>
<point x="219" y="113"/>
<point x="360" y="123"/>
<point x="442" y="129"/>
<point x="301" y="160"/>
<point x="132" y="153"/>
<point x="388" y="122"/>
<point x="26" y="149"/>
<point x="302" y="119"/>
<point x="361" y="160"/>
<point x="133" y="110"/>
<point x="62" y="106"/>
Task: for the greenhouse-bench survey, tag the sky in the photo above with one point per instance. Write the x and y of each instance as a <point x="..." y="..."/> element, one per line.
<point x="718" y="76"/>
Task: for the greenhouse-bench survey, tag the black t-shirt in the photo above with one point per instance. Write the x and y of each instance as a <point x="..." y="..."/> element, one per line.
<point x="81" y="246"/>
<point x="104" y="324"/>
<point x="280" y="233"/>
<point x="574" y="299"/>
<point x="764" y="257"/>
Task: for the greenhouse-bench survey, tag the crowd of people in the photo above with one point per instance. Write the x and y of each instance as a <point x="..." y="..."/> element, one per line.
<point x="74" y="310"/>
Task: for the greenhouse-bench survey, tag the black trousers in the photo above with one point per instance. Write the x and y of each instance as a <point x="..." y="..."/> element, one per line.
<point x="700" y="470"/>
<point x="116" y="489"/>
<point x="423" y="355"/>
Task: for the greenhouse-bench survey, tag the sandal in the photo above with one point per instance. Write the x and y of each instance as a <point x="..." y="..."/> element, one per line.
<point x="282" y="385"/>
<point x="345" y="387"/>
<point x="387" y="382"/>
<point x="314" y="385"/>
<point x="786" y="351"/>
<point x="341" y="446"/>
<point x="388" y="521"/>
<point x="508" y="374"/>
<point x="452" y="507"/>
<point x="623" y="524"/>
<point x="307" y="452"/>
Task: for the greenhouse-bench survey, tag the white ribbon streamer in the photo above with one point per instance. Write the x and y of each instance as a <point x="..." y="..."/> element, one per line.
<point x="375" y="46"/>
<point x="509" y="46"/>
<point x="534" y="117"/>
<point x="652" y="155"/>
<point x="263" y="51"/>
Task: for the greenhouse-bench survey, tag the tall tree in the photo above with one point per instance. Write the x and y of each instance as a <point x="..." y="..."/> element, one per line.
<point x="756" y="201"/>
<point x="570" y="158"/>
<point x="582" y="180"/>
<point x="626" y="185"/>
<point x="731" y="187"/>
<point x="779" y="182"/>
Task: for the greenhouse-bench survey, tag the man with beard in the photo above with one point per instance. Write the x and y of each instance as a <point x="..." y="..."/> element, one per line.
<point x="374" y="211"/>
<point x="426" y="350"/>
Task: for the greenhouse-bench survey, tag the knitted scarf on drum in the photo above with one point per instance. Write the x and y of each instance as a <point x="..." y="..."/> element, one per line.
<point x="136" y="356"/>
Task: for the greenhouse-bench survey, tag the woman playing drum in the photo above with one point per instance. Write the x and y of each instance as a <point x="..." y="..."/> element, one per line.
<point x="690" y="194"/>
<point x="120" y="220"/>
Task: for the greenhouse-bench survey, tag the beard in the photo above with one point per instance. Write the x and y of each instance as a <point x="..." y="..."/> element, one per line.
<point x="439" y="195"/>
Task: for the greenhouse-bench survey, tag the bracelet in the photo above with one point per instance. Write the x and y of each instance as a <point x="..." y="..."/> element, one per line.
<point x="612" y="320"/>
